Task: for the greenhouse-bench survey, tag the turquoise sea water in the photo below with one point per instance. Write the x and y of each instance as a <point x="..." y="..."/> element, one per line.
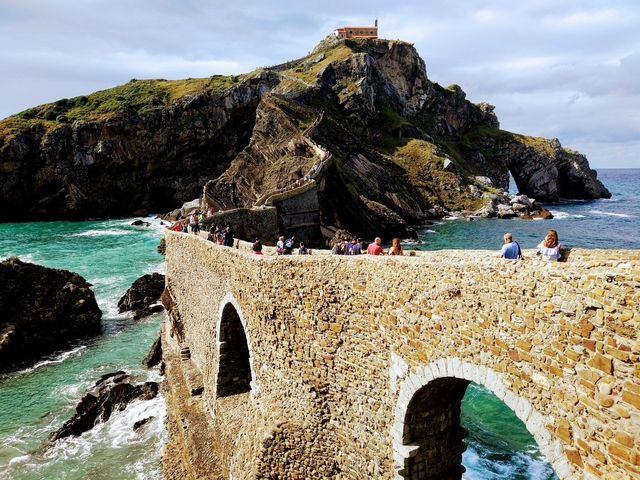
<point x="111" y="254"/>
<point x="36" y="401"/>
<point x="603" y="223"/>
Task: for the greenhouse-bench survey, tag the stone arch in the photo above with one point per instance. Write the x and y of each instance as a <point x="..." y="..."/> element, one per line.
<point x="235" y="357"/>
<point x="429" y="400"/>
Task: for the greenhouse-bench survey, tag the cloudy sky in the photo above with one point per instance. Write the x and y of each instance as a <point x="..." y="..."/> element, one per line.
<point x="556" y="68"/>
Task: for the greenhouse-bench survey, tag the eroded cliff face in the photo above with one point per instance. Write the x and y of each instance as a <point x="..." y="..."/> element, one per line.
<point x="126" y="163"/>
<point x="403" y="148"/>
<point x="543" y="169"/>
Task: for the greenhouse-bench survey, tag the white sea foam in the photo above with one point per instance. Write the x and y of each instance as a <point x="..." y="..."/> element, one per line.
<point x="57" y="357"/>
<point x="21" y="459"/>
<point x="558" y="214"/>
<point x="101" y="233"/>
<point x="522" y="464"/>
<point x="600" y="212"/>
<point x="28" y="258"/>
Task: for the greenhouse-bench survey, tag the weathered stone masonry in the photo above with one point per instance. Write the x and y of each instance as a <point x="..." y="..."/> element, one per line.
<point x="357" y="365"/>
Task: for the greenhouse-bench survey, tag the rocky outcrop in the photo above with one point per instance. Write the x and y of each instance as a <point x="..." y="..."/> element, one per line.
<point x="112" y="393"/>
<point x="143" y="297"/>
<point x="502" y="205"/>
<point x="543" y="169"/>
<point x="154" y="357"/>
<point x="126" y="162"/>
<point x="43" y="309"/>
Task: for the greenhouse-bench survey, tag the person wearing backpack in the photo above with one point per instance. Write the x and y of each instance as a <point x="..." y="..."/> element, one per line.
<point x="510" y="249"/>
<point x="288" y="245"/>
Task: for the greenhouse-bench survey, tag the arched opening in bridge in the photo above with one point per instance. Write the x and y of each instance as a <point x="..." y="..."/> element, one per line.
<point x="432" y="424"/>
<point x="234" y="371"/>
<point x="497" y="445"/>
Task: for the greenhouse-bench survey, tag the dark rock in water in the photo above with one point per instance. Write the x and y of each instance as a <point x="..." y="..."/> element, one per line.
<point x="140" y="423"/>
<point x="162" y="246"/>
<point x="145" y="312"/>
<point x="503" y="206"/>
<point x="142" y="295"/>
<point x="140" y="223"/>
<point x="43" y="309"/>
<point x="154" y="357"/>
<point x="112" y="393"/>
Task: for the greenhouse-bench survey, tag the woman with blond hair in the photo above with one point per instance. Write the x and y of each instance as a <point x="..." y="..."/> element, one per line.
<point x="396" y="248"/>
<point x="550" y="247"/>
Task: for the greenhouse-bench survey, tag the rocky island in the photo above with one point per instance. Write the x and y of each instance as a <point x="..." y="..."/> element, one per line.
<point x="387" y="147"/>
<point x="43" y="309"/>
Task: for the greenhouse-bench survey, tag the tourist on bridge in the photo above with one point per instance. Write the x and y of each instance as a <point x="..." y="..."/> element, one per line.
<point x="228" y="237"/>
<point x="280" y="246"/>
<point x="510" y="249"/>
<point x="257" y="247"/>
<point x="193" y="223"/>
<point x="356" y="249"/>
<point x="347" y="247"/>
<point x="550" y="247"/>
<point x="303" y="250"/>
<point x="288" y="245"/>
<point x="338" y="248"/>
<point x="375" y="248"/>
<point x="396" y="248"/>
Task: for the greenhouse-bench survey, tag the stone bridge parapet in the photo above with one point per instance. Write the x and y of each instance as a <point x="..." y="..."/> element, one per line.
<point x="354" y="367"/>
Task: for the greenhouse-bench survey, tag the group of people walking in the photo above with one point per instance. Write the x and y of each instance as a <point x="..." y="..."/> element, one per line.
<point x="548" y="249"/>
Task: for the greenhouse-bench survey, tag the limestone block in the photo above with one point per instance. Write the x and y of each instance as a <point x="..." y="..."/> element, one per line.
<point x="535" y="422"/>
<point x="564" y="469"/>
<point x="523" y="409"/>
<point x="543" y="438"/>
<point x="454" y="367"/>
<point x="469" y="372"/>
<point x="511" y="400"/>
<point x="540" y="380"/>
<point x="442" y="366"/>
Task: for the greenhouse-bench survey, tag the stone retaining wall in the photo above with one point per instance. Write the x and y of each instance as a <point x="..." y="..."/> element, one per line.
<point x="351" y="357"/>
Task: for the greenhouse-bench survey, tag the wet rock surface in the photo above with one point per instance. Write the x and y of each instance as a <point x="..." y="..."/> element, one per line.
<point x="112" y="393"/>
<point x="43" y="309"/>
<point x="154" y="357"/>
<point x="502" y="205"/>
<point x="143" y="296"/>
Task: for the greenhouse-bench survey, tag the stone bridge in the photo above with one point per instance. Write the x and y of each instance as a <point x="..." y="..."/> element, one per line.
<point x="327" y="366"/>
